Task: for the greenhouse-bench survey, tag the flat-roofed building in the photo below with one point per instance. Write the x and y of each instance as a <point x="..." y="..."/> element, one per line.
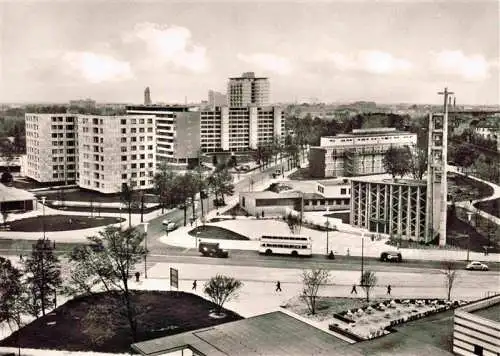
<point x="248" y="90"/>
<point x="51" y="147"/>
<point x="114" y="150"/>
<point x="358" y="153"/>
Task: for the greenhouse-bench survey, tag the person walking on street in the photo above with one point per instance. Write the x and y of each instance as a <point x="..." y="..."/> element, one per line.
<point x="389" y="289"/>
<point x="278" y="286"/>
<point x="353" y="290"/>
<point x="194" y="285"/>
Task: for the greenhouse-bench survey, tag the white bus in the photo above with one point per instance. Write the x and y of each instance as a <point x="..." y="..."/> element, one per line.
<point x="285" y="245"/>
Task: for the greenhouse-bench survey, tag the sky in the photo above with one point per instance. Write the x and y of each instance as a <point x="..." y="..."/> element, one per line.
<point x="388" y="52"/>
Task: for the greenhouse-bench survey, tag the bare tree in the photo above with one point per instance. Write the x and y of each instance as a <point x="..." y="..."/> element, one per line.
<point x="368" y="282"/>
<point x="312" y="280"/>
<point x="418" y="162"/>
<point x="221" y="289"/>
<point x="449" y="269"/>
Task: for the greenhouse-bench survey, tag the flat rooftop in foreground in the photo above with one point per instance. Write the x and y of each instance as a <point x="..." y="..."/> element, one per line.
<point x="491" y="312"/>
<point x="275" y="333"/>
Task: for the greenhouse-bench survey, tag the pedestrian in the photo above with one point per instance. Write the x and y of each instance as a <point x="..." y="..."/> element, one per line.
<point x="348" y="252"/>
<point x="389" y="289"/>
<point x="278" y="286"/>
<point x="194" y="285"/>
<point x="353" y="290"/>
<point x="21" y="257"/>
<point x="137" y="276"/>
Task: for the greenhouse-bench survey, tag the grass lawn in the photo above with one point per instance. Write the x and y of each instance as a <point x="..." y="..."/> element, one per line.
<point x="491" y="207"/>
<point x="98" y="323"/>
<point x="462" y="188"/>
<point x="215" y="232"/>
<point x="88" y="195"/>
<point x="236" y="211"/>
<point x="96" y="209"/>
<point x="60" y="223"/>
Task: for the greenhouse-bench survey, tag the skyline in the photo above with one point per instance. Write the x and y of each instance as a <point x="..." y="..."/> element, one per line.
<point x="391" y="52"/>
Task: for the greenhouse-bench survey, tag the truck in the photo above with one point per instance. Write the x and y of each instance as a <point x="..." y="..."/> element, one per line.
<point x="212" y="249"/>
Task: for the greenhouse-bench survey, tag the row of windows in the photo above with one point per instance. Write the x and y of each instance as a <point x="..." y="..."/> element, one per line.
<point x="134" y="121"/>
<point x="300" y="247"/>
<point x="135" y="157"/>
<point x="134" y="148"/>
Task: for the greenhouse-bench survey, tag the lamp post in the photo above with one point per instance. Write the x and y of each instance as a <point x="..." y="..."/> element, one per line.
<point x="146" y="247"/>
<point x="43" y="218"/>
<point x="327" y="225"/>
<point x="469" y="218"/>
<point x="362" y="254"/>
<point x="120" y="208"/>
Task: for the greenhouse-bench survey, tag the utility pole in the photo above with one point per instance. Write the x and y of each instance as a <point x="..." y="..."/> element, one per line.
<point x="362" y="255"/>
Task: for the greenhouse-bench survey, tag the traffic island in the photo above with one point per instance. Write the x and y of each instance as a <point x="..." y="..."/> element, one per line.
<point x="50" y="223"/>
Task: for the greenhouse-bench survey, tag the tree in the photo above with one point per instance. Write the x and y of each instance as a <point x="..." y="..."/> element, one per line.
<point x="221" y="184"/>
<point x="110" y="267"/>
<point x="368" y="282"/>
<point x="465" y="155"/>
<point x="12" y="296"/>
<point x="221" y="289"/>
<point x="164" y="185"/>
<point x="43" y="276"/>
<point x="127" y="197"/>
<point x="418" y="162"/>
<point x="312" y="280"/>
<point x="449" y="269"/>
<point x="7" y="152"/>
<point x="397" y="161"/>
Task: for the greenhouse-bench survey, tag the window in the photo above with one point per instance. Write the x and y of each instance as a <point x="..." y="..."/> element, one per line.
<point x="124" y="176"/>
<point x="123" y="140"/>
<point x="343" y="191"/>
<point x="124" y="158"/>
<point x="124" y="149"/>
<point x="133" y="130"/>
<point x="123" y="121"/>
<point x="124" y="131"/>
<point x="141" y="121"/>
<point x="478" y="350"/>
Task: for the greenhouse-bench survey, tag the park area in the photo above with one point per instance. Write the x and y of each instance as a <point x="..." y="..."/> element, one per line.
<point x="59" y="223"/>
<point x="95" y="323"/>
<point x="215" y="232"/>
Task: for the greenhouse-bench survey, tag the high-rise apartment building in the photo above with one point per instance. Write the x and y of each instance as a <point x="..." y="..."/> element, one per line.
<point x="358" y="153"/>
<point x="51" y="147"/>
<point x="248" y="90"/>
<point x="147" y="96"/>
<point x="216" y="99"/>
<point x="114" y="150"/>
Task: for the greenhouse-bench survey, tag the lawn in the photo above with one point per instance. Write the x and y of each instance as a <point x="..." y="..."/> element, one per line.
<point x="345" y="216"/>
<point x="76" y="326"/>
<point x="18" y="245"/>
<point x="98" y="209"/>
<point x="490" y="206"/>
<point x="79" y="194"/>
<point x="462" y="188"/>
<point x="215" y="232"/>
<point x="236" y="211"/>
<point x="60" y="223"/>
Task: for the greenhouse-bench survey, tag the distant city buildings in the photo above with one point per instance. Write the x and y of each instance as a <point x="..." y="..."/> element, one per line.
<point x="147" y="96"/>
<point x="489" y="132"/>
<point x="83" y="104"/>
<point x="248" y="90"/>
<point x="216" y="98"/>
<point x="358" y="153"/>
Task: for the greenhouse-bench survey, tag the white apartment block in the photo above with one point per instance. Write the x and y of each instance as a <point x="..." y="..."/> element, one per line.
<point x="51" y="147"/>
<point x="233" y="129"/>
<point x="358" y="153"/>
<point x="114" y="150"/>
<point x="248" y="90"/>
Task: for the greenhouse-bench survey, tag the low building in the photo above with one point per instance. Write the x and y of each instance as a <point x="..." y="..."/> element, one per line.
<point x="358" y="153"/>
<point x="392" y="207"/>
<point x="273" y="333"/>
<point x="298" y="195"/>
<point x="14" y="200"/>
<point x="476" y="328"/>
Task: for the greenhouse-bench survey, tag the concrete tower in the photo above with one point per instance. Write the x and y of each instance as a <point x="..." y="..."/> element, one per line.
<point x="437" y="187"/>
<point x="147" y="96"/>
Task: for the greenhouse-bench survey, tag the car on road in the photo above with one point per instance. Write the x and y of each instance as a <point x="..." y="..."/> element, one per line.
<point x="391" y="256"/>
<point x="476" y="266"/>
<point x="169" y="225"/>
<point x="212" y="249"/>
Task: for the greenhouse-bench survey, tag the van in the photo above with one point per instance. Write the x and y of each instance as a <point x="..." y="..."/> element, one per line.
<point x="212" y="249"/>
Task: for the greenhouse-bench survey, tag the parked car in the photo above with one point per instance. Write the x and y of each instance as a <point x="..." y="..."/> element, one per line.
<point x="169" y="225"/>
<point x="391" y="256"/>
<point x="212" y="249"/>
<point x="476" y="266"/>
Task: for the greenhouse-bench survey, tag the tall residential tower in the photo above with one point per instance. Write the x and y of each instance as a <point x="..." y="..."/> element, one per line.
<point x="248" y="90"/>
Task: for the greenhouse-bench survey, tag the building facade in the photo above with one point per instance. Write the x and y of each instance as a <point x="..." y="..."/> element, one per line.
<point x="216" y="99"/>
<point x="114" y="150"/>
<point x="51" y="147"/>
<point x="358" y="153"/>
<point x="248" y="90"/>
<point x="390" y="207"/>
<point x="476" y="328"/>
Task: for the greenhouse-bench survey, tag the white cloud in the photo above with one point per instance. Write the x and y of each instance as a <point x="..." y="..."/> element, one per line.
<point x="473" y="67"/>
<point x="267" y="61"/>
<point x="170" y="45"/>
<point x="375" y="62"/>
<point x="97" y="68"/>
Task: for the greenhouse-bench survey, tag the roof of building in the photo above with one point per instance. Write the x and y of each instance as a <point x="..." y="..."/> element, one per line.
<point x="387" y="179"/>
<point x="492" y="312"/>
<point x="273" y="333"/>
<point x="13" y="194"/>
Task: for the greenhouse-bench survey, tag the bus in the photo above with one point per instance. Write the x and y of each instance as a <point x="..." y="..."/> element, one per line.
<point x="285" y="245"/>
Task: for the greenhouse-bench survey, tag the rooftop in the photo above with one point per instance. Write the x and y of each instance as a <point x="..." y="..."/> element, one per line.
<point x="388" y="180"/>
<point x="492" y="312"/>
<point x="14" y="194"/>
<point x="273" y="333"/>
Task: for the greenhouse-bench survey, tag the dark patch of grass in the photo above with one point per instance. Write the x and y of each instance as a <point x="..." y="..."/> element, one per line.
<point x="88" y="195"/>
<point x="490" y="206"/>
<point x="96" y="209"/>
<point x="462" y="188"/>
<point x="18" y="245"/>
<point x="60" y="223"/>
<point x="345" y="216"/>
<point x="236" y="211"/>
<point x="159" y="313"/>
<point x="215" y="232"/>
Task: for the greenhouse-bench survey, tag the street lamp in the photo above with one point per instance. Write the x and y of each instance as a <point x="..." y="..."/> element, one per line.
<point x="43" y="212"/>
<point x="327" y="225"/>
<point x="146" y="247"/>
<point x="362" y="253"/>
<point x="120" y="208"/>
<point x="469" y="218"/>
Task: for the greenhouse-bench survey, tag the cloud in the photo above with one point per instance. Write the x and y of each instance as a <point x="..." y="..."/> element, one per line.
<point x="269" y="62"/>
<point x="473" y="67"/>
<point x="97" y="68"/>
<point x="169" y="45"/>
<point x="375" y="62"/>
